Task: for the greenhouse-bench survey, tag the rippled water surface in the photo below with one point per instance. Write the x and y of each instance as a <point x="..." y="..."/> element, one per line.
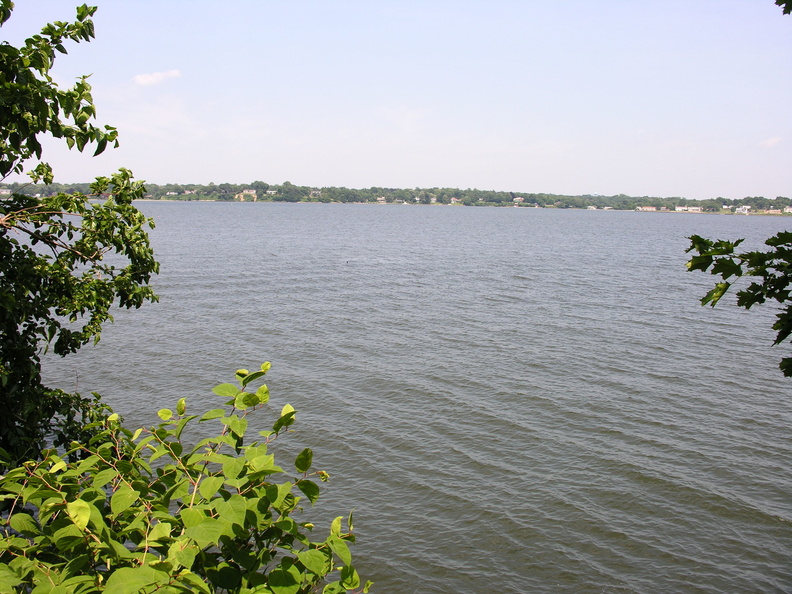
<point x="512" y="400"/>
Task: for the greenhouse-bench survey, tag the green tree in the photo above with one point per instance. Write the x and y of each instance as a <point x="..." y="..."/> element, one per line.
<point x="64" y="259"/>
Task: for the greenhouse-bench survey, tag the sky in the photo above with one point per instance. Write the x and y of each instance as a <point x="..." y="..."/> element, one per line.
<point x="685" y="98"/>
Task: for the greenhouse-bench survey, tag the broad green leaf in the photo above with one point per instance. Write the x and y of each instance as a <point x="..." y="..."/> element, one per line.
<point x="123" y="499"/>
<point x="226" y="390"/>
<point x="165" y="414"/>
<point x="266" y="366"/>
<point x="284" y="421"/>
<point x="104" y="476"/>
<point x="252" y="376"/>
<point x="309" y="488"/>
<point x="80" y="512"/>
<point x="159" y="531"/>
<point x="335" y="526"/>
<point x="265" y="463"/>
<point x="207" y="533"/>
<point x="209" y="486"/>
<point x="68" y="537"/>
<point x="233" y="510"/>
<point x="133" y="580"/>
<point x="284" y="581"/>
<point x="215" y="413"/>
<point x="233" y="467"/>
<point x="8" y="579"/>
<point x="192" y="516"/>
<point x="304" y="460"/>
<point x="349" y="577"/>
<point x="24" y="523"/>
<point x="341" y="549"/>
<point x="181" y="406"/>
<point x="277" y="493"/>
<point x="314" y="561"/>
<point x="183" y="552"/>
<point x="238" y="425"/>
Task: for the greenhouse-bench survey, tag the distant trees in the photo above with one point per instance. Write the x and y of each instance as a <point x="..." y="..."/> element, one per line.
<point x="289" y="192"/>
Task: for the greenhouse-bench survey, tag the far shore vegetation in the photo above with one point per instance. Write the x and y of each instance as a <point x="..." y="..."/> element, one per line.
<point x="259" y="191"/>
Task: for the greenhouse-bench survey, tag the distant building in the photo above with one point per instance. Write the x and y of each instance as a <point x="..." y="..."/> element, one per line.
<point x="694" y="209"/>
<point x="646" y="208"/>
<point x="743" y="210"/>
<point x="518" y="199"/>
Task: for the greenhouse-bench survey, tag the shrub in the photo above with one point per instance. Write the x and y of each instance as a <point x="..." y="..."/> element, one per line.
<point x="146" y="511"/>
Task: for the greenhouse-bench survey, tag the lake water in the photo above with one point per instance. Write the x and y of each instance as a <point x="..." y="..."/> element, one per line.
<point x="512" y="400"/>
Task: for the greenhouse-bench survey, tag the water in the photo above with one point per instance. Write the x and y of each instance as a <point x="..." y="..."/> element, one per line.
<point x="512" y="400"/>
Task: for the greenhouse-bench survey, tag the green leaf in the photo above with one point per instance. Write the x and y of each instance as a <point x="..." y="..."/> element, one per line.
<point x="210" y="485"/>
<point x="226" y="390"/>
<point x="104" y="476"/>
<point x="309" y="488"/>
<point x="341" y="549"/>
<point x="233" y="467"/>
<point x="160" y="531"/>
<point x="284" y="580"/>
<point x="183" y="552"/>
<point x="335" y="526"/>
<point x="133" y="580"/>
<point x="314" y="561"/>
<point x="80" y="512"/>
<point x="349" y="577"/>
<point x="304" y="460"/>
<point x="233" y="510"/>
<point x="123" y="499"/>
<point x="8" y="579"/>
<point x="263" y="393"/>
<point x="207" y="533"/>
<point x="252" y="376"/>
<point x="24" y="523"/>
<point x="215" y="413"/>
<point x="181" y="406"/>
<point x="165" y="414"/>
<point x="715" y="294"/>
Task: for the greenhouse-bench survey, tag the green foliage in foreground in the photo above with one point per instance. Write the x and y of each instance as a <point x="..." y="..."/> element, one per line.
<point x="772" y="271"/>
<point x="148" y="512"/>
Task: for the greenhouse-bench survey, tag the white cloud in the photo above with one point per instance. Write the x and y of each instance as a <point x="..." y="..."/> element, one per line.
<point x="155" y="78"/>
<point x="770" y="142"/>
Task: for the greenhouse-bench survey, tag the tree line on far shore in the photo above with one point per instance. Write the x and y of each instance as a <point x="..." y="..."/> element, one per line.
<point x="288" y="192"/>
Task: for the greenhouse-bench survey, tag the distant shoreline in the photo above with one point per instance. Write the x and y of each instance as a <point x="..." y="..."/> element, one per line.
<point x="667" y="211"/>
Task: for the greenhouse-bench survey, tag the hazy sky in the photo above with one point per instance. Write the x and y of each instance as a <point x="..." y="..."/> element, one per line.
<point x="642" y="97"/>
